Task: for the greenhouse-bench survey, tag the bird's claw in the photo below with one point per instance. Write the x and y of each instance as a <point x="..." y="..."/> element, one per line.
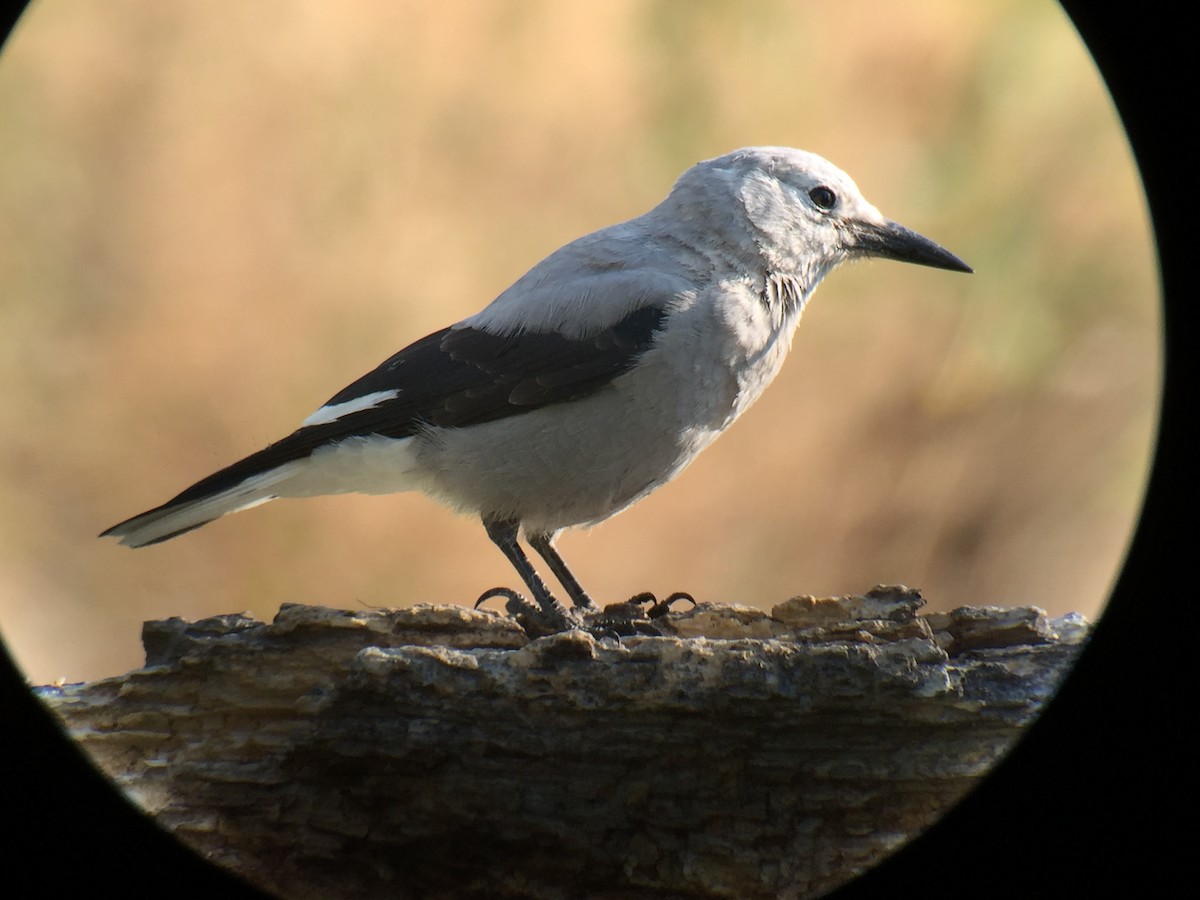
<point x="537" y="620"/>
<point x="659" y="608"/>
<point x="633" y="617"/>
<point x="512" y="598"/>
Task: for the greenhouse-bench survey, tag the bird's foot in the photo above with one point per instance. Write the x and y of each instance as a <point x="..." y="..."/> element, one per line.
<point x="659" y="608"/>
<point x="636" y="616"/>
<point x="537" y="619"/>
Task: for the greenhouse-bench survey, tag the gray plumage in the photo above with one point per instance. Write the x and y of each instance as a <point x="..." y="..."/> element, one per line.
<point x="596" y="378"/>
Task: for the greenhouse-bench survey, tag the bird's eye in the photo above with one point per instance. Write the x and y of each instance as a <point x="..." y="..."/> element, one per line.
<point x="823" y="197"/>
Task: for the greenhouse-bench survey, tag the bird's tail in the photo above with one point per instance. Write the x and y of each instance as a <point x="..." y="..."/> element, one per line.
<point x="200" y="504"/>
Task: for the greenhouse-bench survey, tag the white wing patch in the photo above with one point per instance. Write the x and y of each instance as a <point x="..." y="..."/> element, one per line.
<point x="158" y="524"/>
<point x="335" y="411"/>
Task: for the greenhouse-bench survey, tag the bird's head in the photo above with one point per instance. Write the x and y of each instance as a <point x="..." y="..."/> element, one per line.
<point x="804" y="214"/>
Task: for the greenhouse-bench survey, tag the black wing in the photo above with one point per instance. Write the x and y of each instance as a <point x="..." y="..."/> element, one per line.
<point x="464" y="376"/>
<point x="458" y="377"/>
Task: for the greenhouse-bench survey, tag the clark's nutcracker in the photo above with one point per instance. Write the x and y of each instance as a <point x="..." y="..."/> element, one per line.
<point x="595" y="379"/>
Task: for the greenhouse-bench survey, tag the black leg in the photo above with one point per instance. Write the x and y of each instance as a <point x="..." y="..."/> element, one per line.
<point x="544" y="544"/>
<point x="503" y="533"/>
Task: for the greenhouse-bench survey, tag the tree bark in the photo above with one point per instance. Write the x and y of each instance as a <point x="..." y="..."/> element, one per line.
<point x="439" y="752"/>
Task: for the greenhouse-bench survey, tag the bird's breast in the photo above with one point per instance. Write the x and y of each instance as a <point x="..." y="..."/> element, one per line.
<point x="719" y="353"/>
<point x="583" y="460"/>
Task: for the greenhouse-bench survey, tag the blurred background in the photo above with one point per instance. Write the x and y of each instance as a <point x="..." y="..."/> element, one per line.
<point x="211" y="222"/>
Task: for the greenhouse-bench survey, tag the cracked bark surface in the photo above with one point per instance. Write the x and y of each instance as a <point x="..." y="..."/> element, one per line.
<point x="437" y="751"/>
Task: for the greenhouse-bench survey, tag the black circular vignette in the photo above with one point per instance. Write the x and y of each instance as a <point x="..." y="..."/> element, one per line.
<point x="1089" y="799"/>
<point x="1093" y="798"/>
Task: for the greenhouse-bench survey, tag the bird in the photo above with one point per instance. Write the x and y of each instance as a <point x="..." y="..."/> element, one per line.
<point x="593" y="380"/>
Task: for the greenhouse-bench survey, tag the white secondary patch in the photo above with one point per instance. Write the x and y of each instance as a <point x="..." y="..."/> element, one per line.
<point x="335" y="411"/>
<point x="254" y="491"/>
<point x="366" y="464"/>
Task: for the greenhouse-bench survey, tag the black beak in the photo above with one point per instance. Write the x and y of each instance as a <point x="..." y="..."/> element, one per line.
<point x="892" y="240"/>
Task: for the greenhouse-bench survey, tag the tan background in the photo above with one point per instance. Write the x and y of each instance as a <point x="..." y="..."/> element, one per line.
<point x="209" y="223"/>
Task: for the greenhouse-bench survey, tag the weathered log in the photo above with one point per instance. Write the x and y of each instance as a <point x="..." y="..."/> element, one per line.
<point x="438" y="751"/>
